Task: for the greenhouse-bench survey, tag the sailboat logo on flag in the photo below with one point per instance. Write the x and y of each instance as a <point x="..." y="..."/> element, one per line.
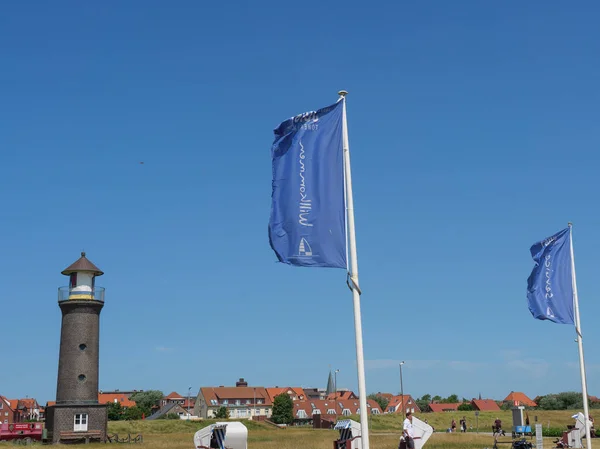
<point x="304" y="249"/>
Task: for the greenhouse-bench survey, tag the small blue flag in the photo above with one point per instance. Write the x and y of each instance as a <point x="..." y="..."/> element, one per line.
<point x="307" y="227"/>
<point x="550" y="287"/>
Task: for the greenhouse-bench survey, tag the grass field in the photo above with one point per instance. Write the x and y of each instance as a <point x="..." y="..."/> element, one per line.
<point x="385" y="431"/>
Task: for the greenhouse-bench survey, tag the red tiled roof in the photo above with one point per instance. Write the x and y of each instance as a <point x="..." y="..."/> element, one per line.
<point x="242" y="393"/>
<point x="485" y="405"/>
<point x="397" y="402"/>
<point x="444" y="407"/>
<point x="173" y="395"/>
<point x="8" y="403"/>
<point x="327" y="405"/>
<point x="109" y="398"/>
<point x="50" y="403"/>
<point x="29" y="403"/>
<point x="341" y="395"/>
<point x="521" y="398"/>
<point x="387" y="396"/>
<point x="298" y="392"/>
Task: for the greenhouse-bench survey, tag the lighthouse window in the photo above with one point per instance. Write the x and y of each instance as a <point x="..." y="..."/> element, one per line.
<point x="81" y="422"/>
<point x="81" y="377"/>
<point x="82" y="347"/>
<point x="73" y="280"/>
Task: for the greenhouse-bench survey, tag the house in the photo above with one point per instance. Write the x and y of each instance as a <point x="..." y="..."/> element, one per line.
<point x="398" y="402"/>
<point x="241" y="401"/>
<point x="18" y="410"/>
<point x="176" y="398"/>
<point x="305" y="410"/>
<point x="295" y="393"/>
<point x="437" y="407"/>
<point x="7" y="410"/>
<point x="485" y="405"/>
<point x="315" y="393"/>
<point x="170" y="408"/>
<point x="341" y="394"/>
<point x="518" y="398"/>
<point x="114" y="396"/>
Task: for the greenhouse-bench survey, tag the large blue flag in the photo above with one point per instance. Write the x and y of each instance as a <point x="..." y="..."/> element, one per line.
<point x="308" y="219"/>
<point x="550" y="287"/>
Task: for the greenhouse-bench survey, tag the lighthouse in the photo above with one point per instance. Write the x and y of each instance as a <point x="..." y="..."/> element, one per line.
<point x="77" y="416"/>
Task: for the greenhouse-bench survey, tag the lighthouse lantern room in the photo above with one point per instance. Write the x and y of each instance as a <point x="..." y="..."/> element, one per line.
<point x="82" y="281"/>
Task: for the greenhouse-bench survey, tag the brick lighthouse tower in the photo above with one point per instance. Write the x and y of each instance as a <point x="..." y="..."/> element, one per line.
<point x="77" y="414"/>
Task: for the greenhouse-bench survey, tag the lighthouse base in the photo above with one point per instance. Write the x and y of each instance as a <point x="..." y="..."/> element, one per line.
<point x="72" y="423"/>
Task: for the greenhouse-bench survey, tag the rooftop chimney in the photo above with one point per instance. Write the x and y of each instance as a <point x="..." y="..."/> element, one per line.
<point x="241" y="383"/>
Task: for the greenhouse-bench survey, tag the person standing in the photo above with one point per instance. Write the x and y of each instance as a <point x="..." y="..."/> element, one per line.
<point x="453" y="425"/>
<point x="407" y="431"/>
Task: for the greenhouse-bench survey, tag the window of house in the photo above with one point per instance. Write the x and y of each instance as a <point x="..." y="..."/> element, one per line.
<point x="0" y="405"/>
<point x="301" y="414"/>
<point x="6" y="421"/>
<point x="225" y="402"/>
<point x="316" y="411"/>
<point x="374" y="411"/>
<point x="248" y="401"/>
<point x="409" y="401"/>
<point x="81" y="422"/>
<point x="331" y="411"/>
<point x="346" y="412"/>
<point x="5" y="413"/>
<point x="259" y="401"/>
<point x="256" y="412"/>
<point x="238" y="402"/>
<point x="213" y="402"/>
<point x="73" y="280"/>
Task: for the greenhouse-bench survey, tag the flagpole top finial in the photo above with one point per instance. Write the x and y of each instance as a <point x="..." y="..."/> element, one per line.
<point x="570" y="224"/>
<point x="343" y="93"/>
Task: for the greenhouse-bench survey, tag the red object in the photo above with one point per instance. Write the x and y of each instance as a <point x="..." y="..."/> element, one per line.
<point x="516" y="403"/>
<point x="20" y="431"/>
<point x="143" y="416"/>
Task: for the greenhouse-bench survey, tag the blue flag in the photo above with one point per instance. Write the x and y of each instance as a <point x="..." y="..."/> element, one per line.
<point x="550" y="287"/>
<point x="308" y="218"/>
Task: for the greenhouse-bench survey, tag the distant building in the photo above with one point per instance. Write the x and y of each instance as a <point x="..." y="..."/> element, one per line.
<point x="19" y="410"/>
<point x="341" y="394"/>
<point x="315" y="393"/>
<point x="295" y="393"/>
<point x="437" y="407"/>
<point x="398" y="402"/>
<point x="111" y="397"/>
<point x="241" y="401"/>
<point x="518" y="398"/>
<point x="485" y="405"/>
<point x="176" y="398"/>
<point x="304" y="411"/>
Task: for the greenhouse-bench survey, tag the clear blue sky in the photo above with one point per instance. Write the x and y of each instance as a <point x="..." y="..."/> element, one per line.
<point x="473" y="129"/>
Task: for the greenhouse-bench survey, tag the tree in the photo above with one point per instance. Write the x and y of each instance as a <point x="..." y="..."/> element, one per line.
<point x="465" y="407"/>
<point x="423" y="402"/>
<point x="133" y="413"/>
<point x="383" y="402"/>
<point x="436" y="398"/>
<point x="452" y="399"/>
<point x="115" y="411"/>
<point x="283" y="409"/>
<point x="145" y="400"/>
<point x="222" y="413"/>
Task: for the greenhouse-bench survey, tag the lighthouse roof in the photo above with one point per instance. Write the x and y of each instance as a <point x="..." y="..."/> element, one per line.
<point x="82" y="264"/>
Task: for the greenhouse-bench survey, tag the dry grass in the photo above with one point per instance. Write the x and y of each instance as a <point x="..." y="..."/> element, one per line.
<point x="385" y="431"/>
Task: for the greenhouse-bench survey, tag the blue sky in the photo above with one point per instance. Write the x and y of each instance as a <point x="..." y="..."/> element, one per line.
<point x="473" y="130"/>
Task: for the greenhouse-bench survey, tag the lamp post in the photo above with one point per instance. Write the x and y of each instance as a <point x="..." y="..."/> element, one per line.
<point x="188" y="404"/>
<point x="335" y="387"/>
<point x="401" y="388"/>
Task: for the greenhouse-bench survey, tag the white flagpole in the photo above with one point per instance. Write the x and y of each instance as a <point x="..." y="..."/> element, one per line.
<point x="586" y="412"/>
<point x="353" y="284"/>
